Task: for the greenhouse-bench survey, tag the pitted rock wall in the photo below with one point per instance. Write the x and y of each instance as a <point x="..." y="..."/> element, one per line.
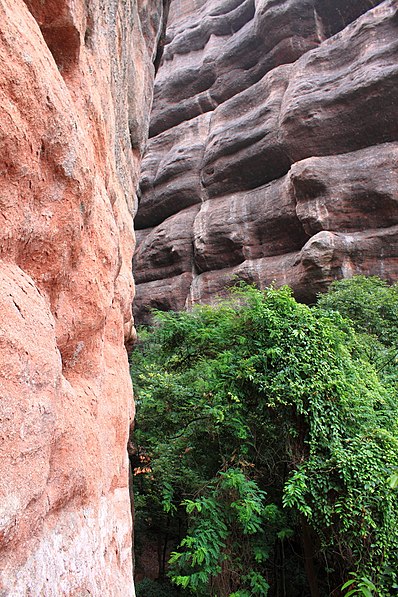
<point x="273" y="150"/>
<point x="76" y="82"/>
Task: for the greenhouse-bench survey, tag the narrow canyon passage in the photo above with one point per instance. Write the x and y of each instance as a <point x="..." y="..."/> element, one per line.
<point x="265" y="150"/>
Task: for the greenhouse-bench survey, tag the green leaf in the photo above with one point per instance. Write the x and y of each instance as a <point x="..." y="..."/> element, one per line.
<point x="348" y="584"/>
<point x="352" y="592"/>
<point x="393" y="481"/>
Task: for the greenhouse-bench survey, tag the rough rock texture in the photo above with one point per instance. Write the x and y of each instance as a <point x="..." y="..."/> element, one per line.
<point x="76" y="82"/>
<point x="273" y="150"/>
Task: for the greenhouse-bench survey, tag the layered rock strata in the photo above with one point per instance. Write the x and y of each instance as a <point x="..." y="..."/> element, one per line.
<point x="273" y="150"/>
<point x="76" y="83"/>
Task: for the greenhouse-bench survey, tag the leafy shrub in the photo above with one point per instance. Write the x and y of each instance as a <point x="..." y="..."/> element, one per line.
<point x="153" y="588"/>
<point x="369" y="302"/>
<point x="271" y="438"/>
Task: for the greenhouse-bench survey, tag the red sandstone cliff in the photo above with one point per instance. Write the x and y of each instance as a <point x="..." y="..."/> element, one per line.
<point x="75" y="89"/>
<point x="273" y="150"/>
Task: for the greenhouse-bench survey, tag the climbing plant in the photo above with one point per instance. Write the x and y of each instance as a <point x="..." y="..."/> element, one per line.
<point x="369" y="302"/>
<point x="270" y="440"/>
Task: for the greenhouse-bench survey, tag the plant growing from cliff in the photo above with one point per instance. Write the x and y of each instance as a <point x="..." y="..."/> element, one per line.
<point x="271" y="440"/>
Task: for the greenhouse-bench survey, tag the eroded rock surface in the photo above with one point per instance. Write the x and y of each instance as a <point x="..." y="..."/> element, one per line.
<point x="276" y="123"/>
<point x="75" y="89"/>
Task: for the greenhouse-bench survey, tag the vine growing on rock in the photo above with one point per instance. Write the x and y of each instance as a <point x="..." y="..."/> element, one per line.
<point x="270" y="438"/>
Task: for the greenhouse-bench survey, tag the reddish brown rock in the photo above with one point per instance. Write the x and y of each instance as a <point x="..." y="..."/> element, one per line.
<point x="354" y="191"/>
<point x="325" y="257"/>
<point x="75" y="88"/>
<point x="298" y="152"/>
<point x="171" y="170"/>
<point x="168" y="294"/>
<point x="249" y="225"/>
<point x="167" y="250"/>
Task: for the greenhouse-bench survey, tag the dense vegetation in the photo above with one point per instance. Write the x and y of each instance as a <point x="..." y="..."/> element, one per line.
<point x="267" y="444"/>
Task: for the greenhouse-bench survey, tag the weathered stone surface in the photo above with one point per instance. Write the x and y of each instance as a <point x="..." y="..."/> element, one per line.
<point x="343" y="94"/>
<point x="170" y="179"/>
<point x="354" y="191"/>
<point x="325" y="257"/>
<point x="300" y="104"/>
<point x="336" y="98"/>
<point x="75" y="89"/>
<point x="167" y="250"/>
<point x="164" y="294"/>
<point x="218" y="48"/>
<point x="250" y="225"/>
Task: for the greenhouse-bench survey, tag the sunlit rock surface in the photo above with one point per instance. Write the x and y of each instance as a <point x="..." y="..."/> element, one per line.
<point x="76" y="83"/>
<point x="273" y="150"/>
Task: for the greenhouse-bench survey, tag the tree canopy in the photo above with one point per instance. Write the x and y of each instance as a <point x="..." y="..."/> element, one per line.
<point x="270" y="433"/>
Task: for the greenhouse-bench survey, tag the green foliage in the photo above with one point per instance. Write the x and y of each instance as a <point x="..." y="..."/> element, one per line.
<point x="225" y="525"/>
<point x="152" y="588"/>
<point x="261" y="416"/>
<point x="359" y="586"/>
<point x="370" y="303"/>
<point x="372" y="306"/>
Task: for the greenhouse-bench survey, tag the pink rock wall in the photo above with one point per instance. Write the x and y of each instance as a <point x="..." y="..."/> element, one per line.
<point x="273" y="149"/>
<point x="76" y="84"/>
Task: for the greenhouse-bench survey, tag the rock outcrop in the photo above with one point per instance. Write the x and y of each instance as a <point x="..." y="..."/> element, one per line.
<point x="76" y="83"/>
<point x="273" y="150"/>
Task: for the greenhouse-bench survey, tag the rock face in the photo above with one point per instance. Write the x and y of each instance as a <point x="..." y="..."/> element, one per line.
<point x="273" y="150"/>
<point x="76" y="83"/>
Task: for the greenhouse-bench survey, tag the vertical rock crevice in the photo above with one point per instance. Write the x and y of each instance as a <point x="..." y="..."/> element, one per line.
<point x="162" y="36"/>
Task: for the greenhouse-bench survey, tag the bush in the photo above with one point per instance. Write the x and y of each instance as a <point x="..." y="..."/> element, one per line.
<point x="370" y="303"/>
<point x="271" y="439"/>
<point x="153" y="588"/>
